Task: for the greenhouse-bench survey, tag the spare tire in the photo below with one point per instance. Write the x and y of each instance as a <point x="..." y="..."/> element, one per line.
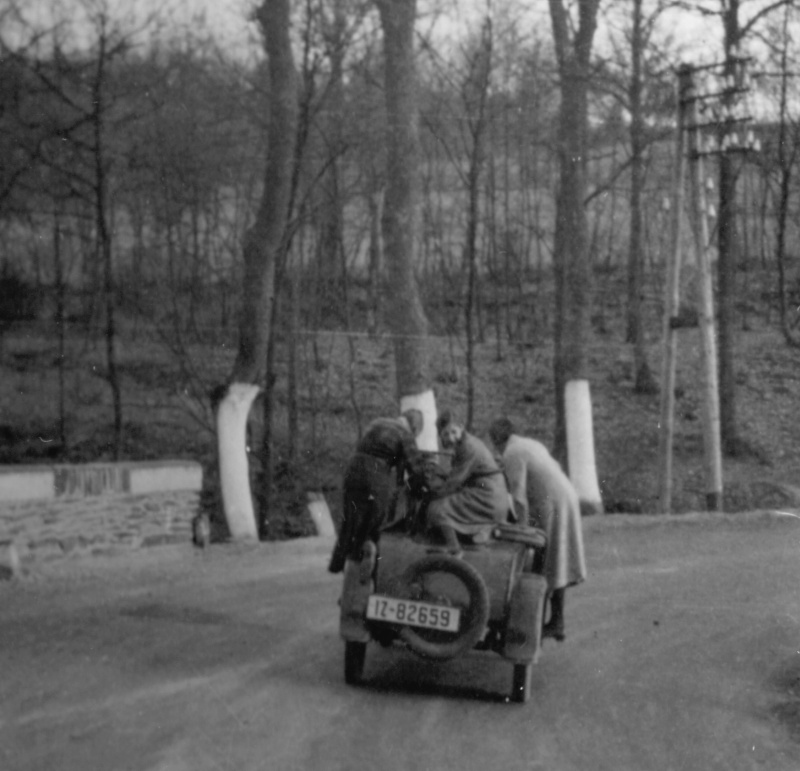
<point x="459" y="585"/>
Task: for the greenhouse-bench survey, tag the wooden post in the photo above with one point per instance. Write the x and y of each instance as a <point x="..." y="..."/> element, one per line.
<point x="711" y="421"/>
<point x="672" y="302"/>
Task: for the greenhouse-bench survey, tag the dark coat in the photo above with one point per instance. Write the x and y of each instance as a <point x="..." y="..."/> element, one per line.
<point x="371" y="481"/>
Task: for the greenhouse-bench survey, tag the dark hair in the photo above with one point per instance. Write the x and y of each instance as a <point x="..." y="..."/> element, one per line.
<point x="443" y="421"/>
<point x="500" y="431"/>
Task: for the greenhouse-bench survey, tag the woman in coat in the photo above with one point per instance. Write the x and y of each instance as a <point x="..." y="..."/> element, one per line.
<point x="474" y="498"/>
<point x="544" y="496"/>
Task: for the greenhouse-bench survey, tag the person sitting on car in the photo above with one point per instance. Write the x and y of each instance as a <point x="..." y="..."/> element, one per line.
<point x="374" y="474"/>
<point x="544" y="497"/>
<point x="474" y="497"/>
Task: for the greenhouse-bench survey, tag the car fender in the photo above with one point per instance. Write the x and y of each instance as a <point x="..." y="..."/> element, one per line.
<point x="353" y="604"/>
<point x="523" y="635"/>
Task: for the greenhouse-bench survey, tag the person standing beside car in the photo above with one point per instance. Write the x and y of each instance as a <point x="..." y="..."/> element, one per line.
<point x="374" y="474"/>
<point x="544" y="497"/>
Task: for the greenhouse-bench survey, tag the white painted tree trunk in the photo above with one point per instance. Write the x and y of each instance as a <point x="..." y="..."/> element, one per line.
<point x="425" y="402"/>
<point x="237" y="500"/>
<point x="580" y="446"/>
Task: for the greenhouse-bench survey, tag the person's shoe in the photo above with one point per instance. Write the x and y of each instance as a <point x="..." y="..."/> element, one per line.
<point x="554" y="630"/>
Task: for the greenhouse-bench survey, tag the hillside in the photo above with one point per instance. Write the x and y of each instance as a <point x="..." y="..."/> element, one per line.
<point x="345" y="380"/>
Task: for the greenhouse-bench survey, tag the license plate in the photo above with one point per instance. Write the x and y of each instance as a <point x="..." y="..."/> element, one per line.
<point x="413" y="613"/>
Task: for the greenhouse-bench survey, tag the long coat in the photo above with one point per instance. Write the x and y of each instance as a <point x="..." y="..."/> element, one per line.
<point x="386" y="451"/>
<point x="474" y="497"/>
<point x="544" y="496"/>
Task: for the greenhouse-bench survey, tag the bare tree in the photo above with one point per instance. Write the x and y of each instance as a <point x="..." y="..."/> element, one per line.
<point x="573" y="42"/>
<point x="462" y="132"/>
<point x="475" y="93"/>
<point x="107" y="49"/>
<point x="574" y="441"/>
<point x="86" y="105"/>
<point x="735" y="32"/>
<point x="262" y="247"/>
<point x="405" y="314"/>
<point x="644" y="382"/>
<point x="788" y="142"/>
<point x="330" y="256"/>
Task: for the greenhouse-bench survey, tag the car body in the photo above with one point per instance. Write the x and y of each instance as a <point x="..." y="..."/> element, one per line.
<point x="408" y="591"/>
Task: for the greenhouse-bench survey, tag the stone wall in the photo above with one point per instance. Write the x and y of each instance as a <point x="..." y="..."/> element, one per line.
<point x="48" y="512"/>
<point x="54" y="528"/>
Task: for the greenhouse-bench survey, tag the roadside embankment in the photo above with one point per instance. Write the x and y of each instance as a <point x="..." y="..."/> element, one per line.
<point x="48" y="512"/>
<point x="52" y="512"/>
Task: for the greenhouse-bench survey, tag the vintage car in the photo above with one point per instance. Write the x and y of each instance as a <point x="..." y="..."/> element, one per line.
<point x="409" y="592"/>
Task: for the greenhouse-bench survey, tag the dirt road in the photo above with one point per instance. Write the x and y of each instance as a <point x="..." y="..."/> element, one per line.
<point x="683" y="652"/>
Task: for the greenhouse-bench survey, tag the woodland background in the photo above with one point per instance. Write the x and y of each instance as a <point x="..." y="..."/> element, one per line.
<point x="132" y="164"/>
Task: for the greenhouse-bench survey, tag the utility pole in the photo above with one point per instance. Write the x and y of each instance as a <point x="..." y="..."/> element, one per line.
<point x="672" y="303"/>
<point x="712" y="443"/>
<point x="725" y="116"/>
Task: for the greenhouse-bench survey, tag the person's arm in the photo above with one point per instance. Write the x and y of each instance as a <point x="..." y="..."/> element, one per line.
<point x="517" y="476"/>
<point x="464" y="462"/>
<point x="412" y="456"/>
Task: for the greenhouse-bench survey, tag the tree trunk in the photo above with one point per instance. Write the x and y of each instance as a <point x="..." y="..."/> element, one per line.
<point x="375" y="267"/>
<point x="475" y="93"/>
<point x="727" y="242"/>
<point x="644" y="382"/>
<point x="470" y="257"/>
<point x="329" y="252"/>
<point x="103" y="234"/>
<point x="571" y="257"/>
<point x="293" y="278"/>
<point x="61" y="322"/>
<point x="262" y="246"/>
<point x="406" y="316"/>
<point x="786" y="161"/>
<point x="726" y="286"/>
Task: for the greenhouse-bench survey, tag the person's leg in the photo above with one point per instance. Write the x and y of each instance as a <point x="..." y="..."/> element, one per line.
<point x="346" y="532"/>
<point x="383" y="499"/>
<point x="367" y="488"/>
<point x="555" y="626"/>
<point x="451" y="544"/>
<point x="438" y="522"/>
<point x="371" y="502"/>
<point x="368" y="514"/>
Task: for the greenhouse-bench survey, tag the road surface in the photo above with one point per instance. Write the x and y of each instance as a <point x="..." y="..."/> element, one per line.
<point x="682" y="652"/>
